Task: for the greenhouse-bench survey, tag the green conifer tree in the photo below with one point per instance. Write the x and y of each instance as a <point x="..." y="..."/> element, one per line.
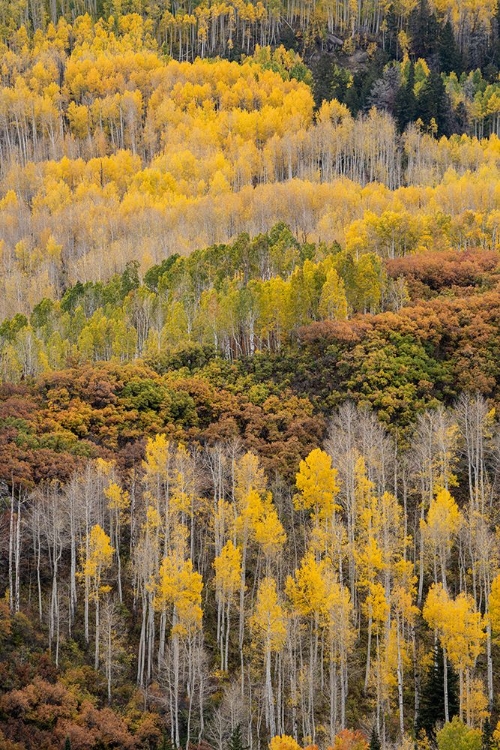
<point x="487" y="743"/>
<point x="431" y="709"/>
<point x="375" y="740"/>
<point x="449" y="54"/>
<point x="236" y="740"/>
<point x="406" y="101"/>
<point x="433" y="104"/>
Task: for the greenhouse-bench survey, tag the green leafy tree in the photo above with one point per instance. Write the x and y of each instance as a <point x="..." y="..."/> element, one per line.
<point x="458" y="736"/>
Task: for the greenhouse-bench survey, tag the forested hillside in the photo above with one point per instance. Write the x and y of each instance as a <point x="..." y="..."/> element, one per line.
<point x="249" y="375"/>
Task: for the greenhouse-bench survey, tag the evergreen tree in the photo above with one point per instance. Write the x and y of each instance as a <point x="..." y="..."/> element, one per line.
<point x="460" y="119"/>
<point x="340" y="83"/>
<point x="324" y="75"/>
<point x="352" y="98"/>
<point x="130" y="277"/>
<point x="431" y="710"/>
<point x="433" y="104"/>
<point x="358" y="94"/>
<point x="449" y="54"/>
<point x="375" y="740"/>
<point x="423" y="31"/>
<point x="487" y="735"/>
<point x="495" y="47"/>
<point x="391" y="35"/>
<point x="67" y="744"/>
<point x="236" y="740"/>
<point x="406" y="101"/>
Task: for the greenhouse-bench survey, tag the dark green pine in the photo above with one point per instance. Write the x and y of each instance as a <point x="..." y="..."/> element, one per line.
<point x="449" y="54"/>
<point x="375" y="740"/>
<point x="236" y="740"/>
<point x="431" y="709"/>
<point x="406" y="101"/>
<point x="487" y="742"/>
<point x="433" y="103"/>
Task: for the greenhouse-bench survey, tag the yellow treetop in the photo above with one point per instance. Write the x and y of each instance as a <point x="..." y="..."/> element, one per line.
<point x="283" y="742"/>
<point x="118" y="499"/>
<point x="180" y="586"/>
<point x="317" y="482"/>
<point x="249" y="477"/>
<point x="157" y="455"/>
<point x="98" y="556"/>
<point x="268" y="622"/>
<point x="443" y="520"/>
<point x="227" y="571"/>
<point x="460" y="627"/>
<point x="307" y="589"/>
<point x="268" y="529"/>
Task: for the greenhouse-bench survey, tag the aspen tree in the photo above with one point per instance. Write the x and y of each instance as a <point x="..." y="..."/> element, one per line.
<point x="461" y="632"/>
<point x="179" y="589"/>
<point x="147" y="554"/>
<point x="317" y="483"/>
<point x="268" y="626"/>
<point x="118" y="503"/>
<point x="96" y="559"/>
<point x="249" y="480"/>
<point x="333" y="300"/>
<point x="369" y="558"/>
<point x="269" y="532"/>
<point x="337" y="615"/>
<point x="442" y="525"/>
<point x="307" y="592"/>
<point x="403" y="595"/>
<point x="227" y="581"/>
<point x="158" y="477"/>
<point x="434" y="448"/>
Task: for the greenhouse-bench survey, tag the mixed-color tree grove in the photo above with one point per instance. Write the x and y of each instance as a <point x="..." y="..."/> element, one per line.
<point x="249" y="375"/>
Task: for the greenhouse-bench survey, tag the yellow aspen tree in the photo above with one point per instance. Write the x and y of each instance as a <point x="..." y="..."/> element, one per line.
<point x="268" y="625"/>
<point x="383" y="678"/>
<point x="439" y="530"/>
<point x="461" y="632"/>
<point x="317" y="482"/>
<point x="368" y="554"/>
<point x="268" y="531"/>
<point x="118" y="504"/>
<point x="337" y="617"/>
<point x="179" y="591"/>
<point x="98" y="556"/>
<point x="376" y="609"/>
<point x="307" y="592"/>
<point x="403" y="595"/>
<point x="146" y="565"/>
<point x="434" y="452"/>
<point x="333" y="300"/>
<point x="249" y="483"/>
<point x="184" y="495"/>
<point x="157" y="465"/>
<point x="494" y="606"/>
<point x="284" y="742"/>
<point x="227" y="567"/>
